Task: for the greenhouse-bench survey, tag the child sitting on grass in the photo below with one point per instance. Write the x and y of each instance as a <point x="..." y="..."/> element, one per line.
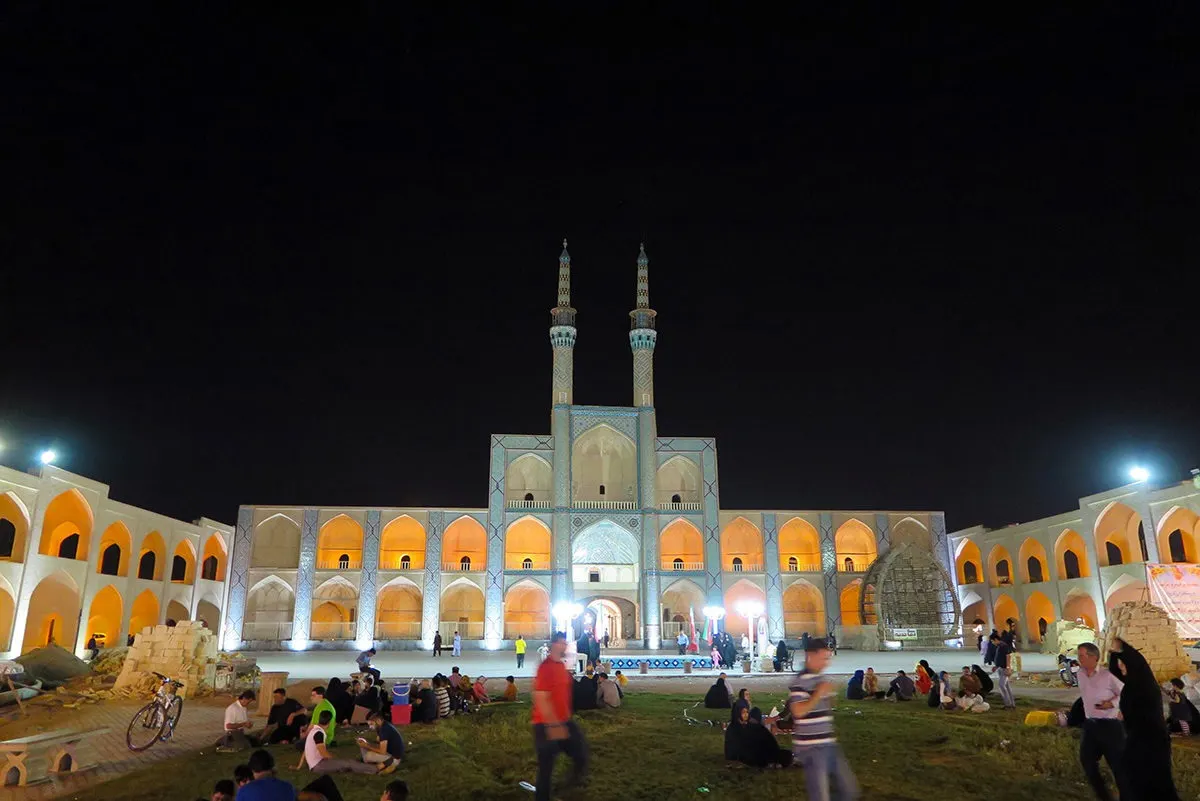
<point x="510" y="689"/>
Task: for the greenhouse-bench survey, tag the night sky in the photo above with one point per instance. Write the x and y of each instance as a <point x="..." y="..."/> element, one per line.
<point x="898" y="262"/>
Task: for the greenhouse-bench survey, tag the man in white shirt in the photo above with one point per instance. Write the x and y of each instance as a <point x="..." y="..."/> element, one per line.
<point x="1103" y="732"/>
<point x="319" y="760"/>
<point x="237" y="735"/>
<point x="457" y="644"/>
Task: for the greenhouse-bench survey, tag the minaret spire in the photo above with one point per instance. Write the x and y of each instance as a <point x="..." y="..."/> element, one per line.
<point x="642" y="336"/>
<point x="562" y="334"/>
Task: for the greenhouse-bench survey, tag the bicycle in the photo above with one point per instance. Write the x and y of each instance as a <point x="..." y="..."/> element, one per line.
<point x="156" y="721"/>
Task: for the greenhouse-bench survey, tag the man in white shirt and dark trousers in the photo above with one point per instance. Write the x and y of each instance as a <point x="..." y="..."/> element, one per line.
<point x="1103" y="732"/>
<point x="237" y="735"/>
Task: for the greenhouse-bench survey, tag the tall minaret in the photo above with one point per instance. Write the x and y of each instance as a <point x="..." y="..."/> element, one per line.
<point x="562" y="334"/>
<point x="642" y="336"/>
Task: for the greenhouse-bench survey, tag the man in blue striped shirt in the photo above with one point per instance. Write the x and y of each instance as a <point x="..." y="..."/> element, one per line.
<point x="814" y="746"/>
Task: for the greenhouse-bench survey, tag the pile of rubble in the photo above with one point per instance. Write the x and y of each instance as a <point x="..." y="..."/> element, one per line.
<point x="186" y="652"/>
<point x="1064" y="636"/>
<point x="1150" y="630"/>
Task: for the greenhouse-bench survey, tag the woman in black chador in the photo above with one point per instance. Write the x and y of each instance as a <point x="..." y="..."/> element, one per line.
<point x="1147" y="743"/>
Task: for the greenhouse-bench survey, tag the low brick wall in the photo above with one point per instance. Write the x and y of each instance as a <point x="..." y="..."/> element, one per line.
<point x="1150" y="630"/>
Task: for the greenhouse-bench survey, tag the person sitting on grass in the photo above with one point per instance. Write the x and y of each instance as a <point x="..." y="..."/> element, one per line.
<point x="443" y="695"/>
<point x="584" y="692"/>
<point x="902" y="687"/>
<point x="750" y="743"/>
<point x="320" y="705"/>
<point x="338" y="694"/>
<point x="971" y="701"/>
<point x="871" y="689"/>
<point x="854" y="687"/>
<point x="395" y="791"/>
<point x="224" y="791"/>
<point x="986" y="685"/>
<point x="390" y="745"/>
<point x="510" y="689"/>
<point x="621" y="682"/>
<point x="285" y="719"/>
<point x="923" y="678"/>
<point x="607" y="695"/>
<point x="968" y="682"/>
<point x="945" y="692"/>
<point x="237" y="736"/>
<point x="264" y="786"/>
<point x="316" y="753"/>
<point x="479" y="691"/>
<point x="743" y="702"/>
<point x="369" y="697"/>
<point x="717" y="696"/>
<point x="242" y="775"/>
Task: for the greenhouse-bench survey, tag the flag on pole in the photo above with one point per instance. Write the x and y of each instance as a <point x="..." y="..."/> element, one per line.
<point x="708" y="630"/>
<point x="693" y="646"/>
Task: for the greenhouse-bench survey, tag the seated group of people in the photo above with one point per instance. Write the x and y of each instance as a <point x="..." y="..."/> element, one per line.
<point x="256" y="781"/>
<point x="749" y="738"/>
<point x="597" y="691"/>
<point x="443" y="696"/>
<point x="969" y="695"/>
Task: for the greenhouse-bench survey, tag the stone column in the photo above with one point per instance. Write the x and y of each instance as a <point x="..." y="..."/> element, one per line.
<point x="647" y="443"/>
<point x="712" y="524"/>
<point x="941" y="545"/>
<point x="833" y="599"/>
<point x="560" y="580"/>
<point x="239" y="569"/>
<point x="302" y="614"/>
<point x="431" y="597"/>
<point x="493" y="587"/>
<point x="883" y="535"/>
<point x="774" y="585"/>
<point x="368" y="592"/>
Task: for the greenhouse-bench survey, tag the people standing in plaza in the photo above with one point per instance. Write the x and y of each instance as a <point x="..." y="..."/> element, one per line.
<point x="553" y="729"/>
<point x="814" y="745"/>
<point x="1001" y="669"/>
<point x="1147" y="758"/>
<point x="1103" y="733"/>
<point x="520" y="645"/>
<point x="682" y="642"/>
<point x="437" y="643"/>
<point x="457" y="645"/>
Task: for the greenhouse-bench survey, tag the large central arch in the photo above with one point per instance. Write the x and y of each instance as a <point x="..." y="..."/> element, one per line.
<point x="607" y="548"/>
<point x="604" y="466"/>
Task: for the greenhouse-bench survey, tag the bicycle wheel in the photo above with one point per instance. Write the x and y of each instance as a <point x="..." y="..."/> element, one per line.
<point x="173" y="714"/>
<point x="146" y="727"/>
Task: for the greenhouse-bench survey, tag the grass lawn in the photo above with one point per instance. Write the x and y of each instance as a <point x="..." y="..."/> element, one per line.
<point x="646" y="750"/>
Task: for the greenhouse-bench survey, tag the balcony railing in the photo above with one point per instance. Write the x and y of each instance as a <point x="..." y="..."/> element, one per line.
<point x="353" y="562"/>
<point x="333" y="631"/>
<point x="858" y="562"/>
<point x="528" y="564"/>
<point x="393" y="560"/>
<point x="802" y="567"/>
<point x="686" y="506"/>
<point x="275" y="630"/>
<point x="605" y="504"/>
<point x="530" y="631"/>
<point x="671" y="564"/>
<point x="528" y="504"/>
<point x="745" y="567"/>
<point x="475" y="566"/>
<point x="469" y="631"/>
<point x="398" y="630"/>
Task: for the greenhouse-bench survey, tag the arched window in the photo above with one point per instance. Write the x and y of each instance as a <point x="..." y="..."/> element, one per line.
<point x="1114" y="553"/>
<point x="793" y="564"/>
<point x="676" y="499"/>
<point x="1071" y="564"/>
<point x="737" y="564"/>
<point x="1002" y="572"/>
<point x="594" y="576"/>
<point x="69" y="547"/>
<point x="178" y="569"/>
<point x="8" y="537"/>
<point x="970" y="573"/>
<point x="344" y="561"/>
<point x="1175" y="542"/>
<point x="601" y="489"/>
<point x="405" y="562"/>
<point x="208" y="568"/>
<point x="464" y="563"/>
<point x="677" y="564"/>
<point x="146" y="566"/>
<point x="529" y="496"/>
<point x="1042" y="626"/>
<point x="1035" y="570"/>
<point x="849" y="564"/>
<point x="110" y="560"/>
<point x="527" y="563"/>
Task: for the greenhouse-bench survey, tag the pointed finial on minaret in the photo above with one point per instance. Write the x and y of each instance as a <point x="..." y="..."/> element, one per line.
<point x="564" y="278"/>
<point x="643" y="278"/>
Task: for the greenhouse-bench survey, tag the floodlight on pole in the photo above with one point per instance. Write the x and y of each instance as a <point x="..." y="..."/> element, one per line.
<point x="48" y="456"/>
<point x="750" y="610"/>
<point x="1139" y="473"/>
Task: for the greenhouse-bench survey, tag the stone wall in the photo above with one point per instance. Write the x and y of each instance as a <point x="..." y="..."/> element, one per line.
<point x="1150" y="630"/>
<point x="186" y="652"/>
<point x="1064" y="636"/>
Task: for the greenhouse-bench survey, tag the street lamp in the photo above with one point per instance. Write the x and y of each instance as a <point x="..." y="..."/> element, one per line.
<point x="564" y="612"/>
<point x="750" y="610"/>
<point x="48" y="456"/>
<point x="1139" y="473"/>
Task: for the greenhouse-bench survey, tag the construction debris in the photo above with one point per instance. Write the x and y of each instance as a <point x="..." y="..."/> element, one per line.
<point x="1150" y="630"/>
<point x="53" y="665"/>
<point x="186" y="652"/>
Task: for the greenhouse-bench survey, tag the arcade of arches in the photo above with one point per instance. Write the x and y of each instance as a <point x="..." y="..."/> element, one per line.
<point x="464" y="545"/>
<point x="402" y="545"/>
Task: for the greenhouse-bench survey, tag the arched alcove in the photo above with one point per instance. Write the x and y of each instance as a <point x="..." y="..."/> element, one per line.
<point x="529" y="481"/>
<point x="212" y="567"/>
<point x="678" y="602"/>
<point x="803" y="610"/>
<point x="104" y="617"/>
<point x="742" y="590"/>
<point x="14" y="528"/>
<point x="339" y="544"/>
<point x="152" y="557"/>
<point x="681" y="546"/>
<point x="1033" y="561"/>
<point x="850" y="599"/>
<point x="462" y="611"/>
<point x="145" y="612"/>
<point x="1118" y="535"/>
<point x="276" y="543"/>
<point x="1079" y="605"/>
<point x="799" y="547"/>
<point x="968" y="562"/>
<point x="604" y="466"/>
<point x="1039" y="613"/>
<point x="526" y="611"/>
<point x="1125" y="588"/>
<point x="183" y="563"/>
<point x="1070" y="556"/>
<point x="116" y="546"/>
<point x="53" y="614"/>
<point x="1178" y="533"/>
<point x="527" y="545"/>
<point x="398" y="611"/>
<point x="464" y="546"/>
<point x="270" y="607"/>
<point x="911" y="531"/>
<point x="1005" y="609"/>
<point x="678" y="478"/>
<point x="854" y="542"/>
<point x="67" y="526"/>
<point x="402" y="545"/>
<point x="177" y="611"/>
<point x="1000" y="569"/>
<point x="334" y="610"/>
<point x="741" y="547"/>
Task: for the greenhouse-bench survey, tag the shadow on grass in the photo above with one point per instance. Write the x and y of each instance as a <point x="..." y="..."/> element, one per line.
<point x="646" y="750"/>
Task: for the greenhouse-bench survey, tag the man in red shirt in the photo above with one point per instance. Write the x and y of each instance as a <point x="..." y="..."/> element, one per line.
<point x="553" y="729"/>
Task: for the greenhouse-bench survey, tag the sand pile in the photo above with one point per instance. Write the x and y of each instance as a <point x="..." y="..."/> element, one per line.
<point x="53" y="665"/>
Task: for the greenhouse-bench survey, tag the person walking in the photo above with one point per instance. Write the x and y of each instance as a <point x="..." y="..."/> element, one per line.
<point x="814" y="745"/>
<point x="1103" y="734"/>
<point x="457" y="645"/>
<point x="1147" y="758"/>
<point x="1002" y="659"/>
<point x="437" y="643"/>
<point x="682" y="642"/>
<point x="520" y="651"/>
<point x="553" y="729"/>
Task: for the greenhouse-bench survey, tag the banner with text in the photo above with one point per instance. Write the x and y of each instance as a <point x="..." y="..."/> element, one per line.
<point x="1176" y="589"/>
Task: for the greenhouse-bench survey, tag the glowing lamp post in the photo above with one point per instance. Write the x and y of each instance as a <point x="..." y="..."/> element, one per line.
<point x="48" y="457"/>
<point x="1139" y="473"/>
<point x="714" y="613"/>
<point x="564" y="612"/>
<point x="750" y="610"/>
